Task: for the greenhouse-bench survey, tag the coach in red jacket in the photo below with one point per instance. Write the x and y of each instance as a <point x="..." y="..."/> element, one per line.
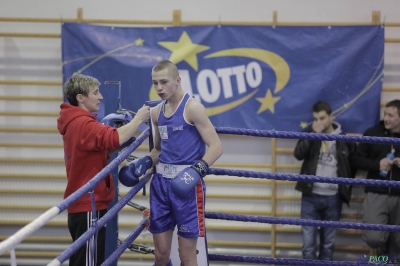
<point x="86" y="145"/>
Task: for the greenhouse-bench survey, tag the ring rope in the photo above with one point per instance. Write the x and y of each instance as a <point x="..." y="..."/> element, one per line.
<point x="13" y="240"/>
<point x="19" y="236"/>
<point x="100" y="223"/>
<point x="302" y="135"/>
<point x="298" y="221"/>
<point x="10" y="243"/>
<point x="104" y="172"/>
<point x="275" y="220"/>
<point x="118" y="252"/>
<point x="263" y="260"/>
<point x="305" y="178"/>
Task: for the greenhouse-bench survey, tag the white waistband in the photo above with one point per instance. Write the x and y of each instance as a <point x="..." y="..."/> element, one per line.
<point x="170" y="170"/>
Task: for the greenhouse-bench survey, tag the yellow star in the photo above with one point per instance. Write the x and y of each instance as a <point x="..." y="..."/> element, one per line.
<point x="139" y="42"/>
<point x="303" y="125"/>
<point x="267" y="102"/>
<point x="184" y="50"/>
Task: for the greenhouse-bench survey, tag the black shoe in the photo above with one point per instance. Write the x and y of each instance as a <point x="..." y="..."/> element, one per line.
<point x="383" y="250"/>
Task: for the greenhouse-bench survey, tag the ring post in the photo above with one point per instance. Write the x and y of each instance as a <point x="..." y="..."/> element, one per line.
<point x="111" y="105"/>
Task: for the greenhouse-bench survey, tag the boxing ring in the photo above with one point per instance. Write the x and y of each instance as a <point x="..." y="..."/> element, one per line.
<point x="11" y="242"/>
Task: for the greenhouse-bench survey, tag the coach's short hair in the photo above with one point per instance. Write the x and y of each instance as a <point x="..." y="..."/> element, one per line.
<point x="78" y="84"/>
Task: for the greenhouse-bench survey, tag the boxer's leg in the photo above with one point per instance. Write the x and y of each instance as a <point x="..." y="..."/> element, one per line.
<point x="162" y="247"/>
<point x="187" y="250"/>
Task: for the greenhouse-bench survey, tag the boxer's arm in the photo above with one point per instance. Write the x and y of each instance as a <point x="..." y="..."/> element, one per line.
<point x="184" y="183"/>
<point x="196" y="114"/>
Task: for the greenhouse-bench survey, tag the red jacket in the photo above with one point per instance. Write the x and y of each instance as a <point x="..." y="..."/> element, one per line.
<point x="86" y="143"/>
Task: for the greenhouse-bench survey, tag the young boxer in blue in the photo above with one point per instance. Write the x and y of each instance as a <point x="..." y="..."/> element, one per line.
<point x="182" y="130"/>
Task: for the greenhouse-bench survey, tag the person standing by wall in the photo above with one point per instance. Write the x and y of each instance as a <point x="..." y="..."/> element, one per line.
<point x="323" y="201"/>
<point x="382" y="161"/>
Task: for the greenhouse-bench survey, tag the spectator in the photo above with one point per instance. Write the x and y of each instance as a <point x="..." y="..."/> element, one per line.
<point x="323" y="201"/>
<point x="382" y="204"/>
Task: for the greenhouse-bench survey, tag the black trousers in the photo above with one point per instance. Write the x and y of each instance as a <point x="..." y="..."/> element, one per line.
<point x="78" y="224"/>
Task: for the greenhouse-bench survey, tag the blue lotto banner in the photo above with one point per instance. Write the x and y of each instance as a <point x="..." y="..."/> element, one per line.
<point x="256" y="77"/>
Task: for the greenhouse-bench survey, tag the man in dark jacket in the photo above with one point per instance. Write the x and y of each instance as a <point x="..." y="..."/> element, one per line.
<point x="323" y="201"/>
<point x="382" y="204"/>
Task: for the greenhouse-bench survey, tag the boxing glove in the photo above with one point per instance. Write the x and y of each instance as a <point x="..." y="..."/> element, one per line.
<point x="126" y="176"/>
<point x="129" y="173"/>
<point x="118" y="118"/>
<point x="129" y="115"/>
<point x="185" y="182"/>
<point x="140" y="165"/>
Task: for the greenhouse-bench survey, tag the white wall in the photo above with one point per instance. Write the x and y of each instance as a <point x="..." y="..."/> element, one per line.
<point x="226" y="10"/>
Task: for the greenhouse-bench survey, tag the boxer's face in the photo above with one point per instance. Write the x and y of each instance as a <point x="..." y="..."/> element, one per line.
<point x="164" y="83"/>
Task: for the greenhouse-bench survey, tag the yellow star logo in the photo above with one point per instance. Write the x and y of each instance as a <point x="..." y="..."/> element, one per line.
<point x="139" y="42"/>
<point x="184" y="50"/>
<point x="267" y="102"/>
<point x="303" y="125"/>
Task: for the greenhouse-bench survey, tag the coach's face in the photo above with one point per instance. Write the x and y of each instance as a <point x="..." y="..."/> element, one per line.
<point x="391" y="119"/>
<point x="91" y="102"/>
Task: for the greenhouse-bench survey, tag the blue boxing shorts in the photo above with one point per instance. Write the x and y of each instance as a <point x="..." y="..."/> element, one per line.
<point x="168" y="210"/>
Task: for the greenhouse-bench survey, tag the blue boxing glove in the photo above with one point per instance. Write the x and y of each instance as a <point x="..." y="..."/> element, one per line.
<point x="184" y="183"/>
<point x="120" y="117"/>
<point x="126" y="176"/>
<point x="129" y="174"/>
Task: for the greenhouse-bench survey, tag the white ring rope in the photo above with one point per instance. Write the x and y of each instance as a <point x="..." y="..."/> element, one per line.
<point x="13" y="240"/>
